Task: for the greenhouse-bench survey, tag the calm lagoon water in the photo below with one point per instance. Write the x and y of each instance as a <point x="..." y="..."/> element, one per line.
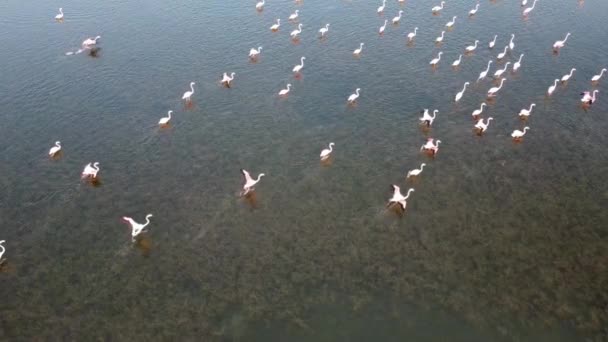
<point x="500" y="241"/>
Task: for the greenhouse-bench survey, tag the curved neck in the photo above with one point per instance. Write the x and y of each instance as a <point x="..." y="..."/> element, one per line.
<point x="531" y="106"/>
<point x="169" y="113"/>
<point x="465" y="87"/>
<point x="192" y="88"/>
<point x="302" y="61"/>
<point x="520" y="57"/>
<point x="360" y="46"/>
<point x="61" y="10"/>
<point x="259" y="177"/>
<point x="147" y="221"/>
<point x="602" y="73"/>
<point x="421" y="167"/>
<point x="357" y="91"/>
<point x="331" y="147"/>
<point x="415" y="30"/>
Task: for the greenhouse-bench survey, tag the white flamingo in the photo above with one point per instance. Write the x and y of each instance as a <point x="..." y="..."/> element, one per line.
<point x="90" y="171"/>
<point x="436" y="60"/>
<point x="90" y="42"/>
<point x="253" y="53"/>
<point x="440" y="39"/>
<point x="457" y="62"/>
<point x="165" y="120"/>
<point x="560" y="43"/>
<point x="459" y="95"/>
<point x="436" y="9"/>
<point x="412" y="35"/>
<point x="526" y="112"/>
<point x="472" y="48"/>
<point x="249" y="182"/>
<point x="324" y="30"/>
<point x="566" y="77"/>
<point x="398" y="197"/>
<point x="397" y="18"/>
<point x="55" y="149"/>
<point x="588" y="98"/>
<point x="451" y="23"/>
<point x="517" y="64"/>
<point x="596" y="78"/>
<point x="297" y="68"/>
<point x="478" y="112"/>
<point x="294" y="15"/>
<point x="381" y="8"/>
<point x="260" y="5"/>
<point x="353" y="97"/>
<point x="383" y="27"/>
<point x="137" y="228"/>
<point x="427" y="118"/>
<point x="415" y="172"/>
<point x="502" y="54"/>
<point x="294" y="34"/>
<point x="511" y="44"/>
<point x="60" y="15"/>
<point x="276" y="26"/>
<point x="481" y="126"/>
<point x="499" y="72"/>
<point x="517" y="134"/>
<point x="188" y="95"/>
<point x="285" y="91"/>
<point x="357" y="52"/>
<point x="492" y="92"/>
<point x="493" y="42"/>
<point x="429" y="146"/>
<point x="474" y="10"/>
<point x="327" y="152"/>
<point x="3" y="249"/>
<point x="529" y="9"/>
<point x="552" y="88"/>
<point x="484" y="73"/>
<point x="227" y="79"/>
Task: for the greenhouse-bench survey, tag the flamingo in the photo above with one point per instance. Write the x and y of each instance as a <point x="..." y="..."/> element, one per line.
<point x="294" y="15"/>
<point x="383" y="27"/>
<point x="398" y="197"/>
<point x="294" y="34"/>
<point x="457" y="62"/>
<point x="494" y="90"/>
<point x="427" y="118"/>
<point x="90" y="42"/>
<point x="327" y="152"/>
<point x="474" y="10"/>
<point x="429" y="146"/>
<point x="517" y="134"/>
<point x="484" y="73"/>
<point x="260" y="5"/>
<point x="165" y="120"/>
<point x="249" y="182"/>
<point x="481" y="126"/>
<point x="285" y="91"/>
<point x="297" y="68"/>
<point x="477" y="112"/>
<point x="472" y="48"/>
<point x="587" y="98"/>
<point x="560" y="43"/>
<point x="552" y="88"/>
<point x="90" y="171"/>
<point x="436" y="9"/>
<point x="526" y="112"/>
<point x="188" y="95"/>
<point x="136" y="228"/>
<point x="596" y="78"/>
<point x="60" y="15"/>
<point x="415" y="172"/>
<point x="511" y="44"/>
<point x="502" y="54"/>
<point x="412" y="35"/>
<point x="253" y="53"/>
<point x="436" y="60"/>
<point x="276" y="26"/>
<point x="566" y="77"/>
<point x="55" y="149"/>
<point x="517" y="64"/>
<point x="440" y="39"/>
<point x="353" y="97"/>
<point x="529" y="9"/>
<point x="451" y="23"/>
<point x="357" y="52"/>
<point x="459" y="95"/>
<point x="227" y="79"/>
<point x="324" y="30"/>
<point x="493" y="42"/>
<point x="397" y="18"/>
<point x="501" y="71"/>
<point x="381" y="8"/>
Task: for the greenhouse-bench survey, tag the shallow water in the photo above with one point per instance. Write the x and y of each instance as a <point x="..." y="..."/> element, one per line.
<point x="500" y="241"/>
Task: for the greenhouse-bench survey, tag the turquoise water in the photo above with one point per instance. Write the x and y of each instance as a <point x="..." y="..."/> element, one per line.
<point x="500" y="241"/>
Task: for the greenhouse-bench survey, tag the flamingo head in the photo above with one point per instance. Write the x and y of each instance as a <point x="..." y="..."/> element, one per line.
<point x="170" y="112"/>
<point x="232" y="74"/>
<point x="259" y="48"/>
<point x="437" y="143"/>
<point x="97" y="38"/>
<point x="192" y="83"/>
<point x="96" y="164"/>
<point x="440" y="52"/>
<point x="331" y="144"/>
<point x="57" y="142"/>
<point x="297" y="12"/>
<point x="127" y="219"/>
<point x="288" y="85"/>
<point x="148" y="216"/>
<point x="358" y="89"/>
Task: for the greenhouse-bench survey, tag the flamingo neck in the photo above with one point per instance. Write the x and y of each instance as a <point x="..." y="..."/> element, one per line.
<point x="602" y="73"/>
<point x="192" y="88"/>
